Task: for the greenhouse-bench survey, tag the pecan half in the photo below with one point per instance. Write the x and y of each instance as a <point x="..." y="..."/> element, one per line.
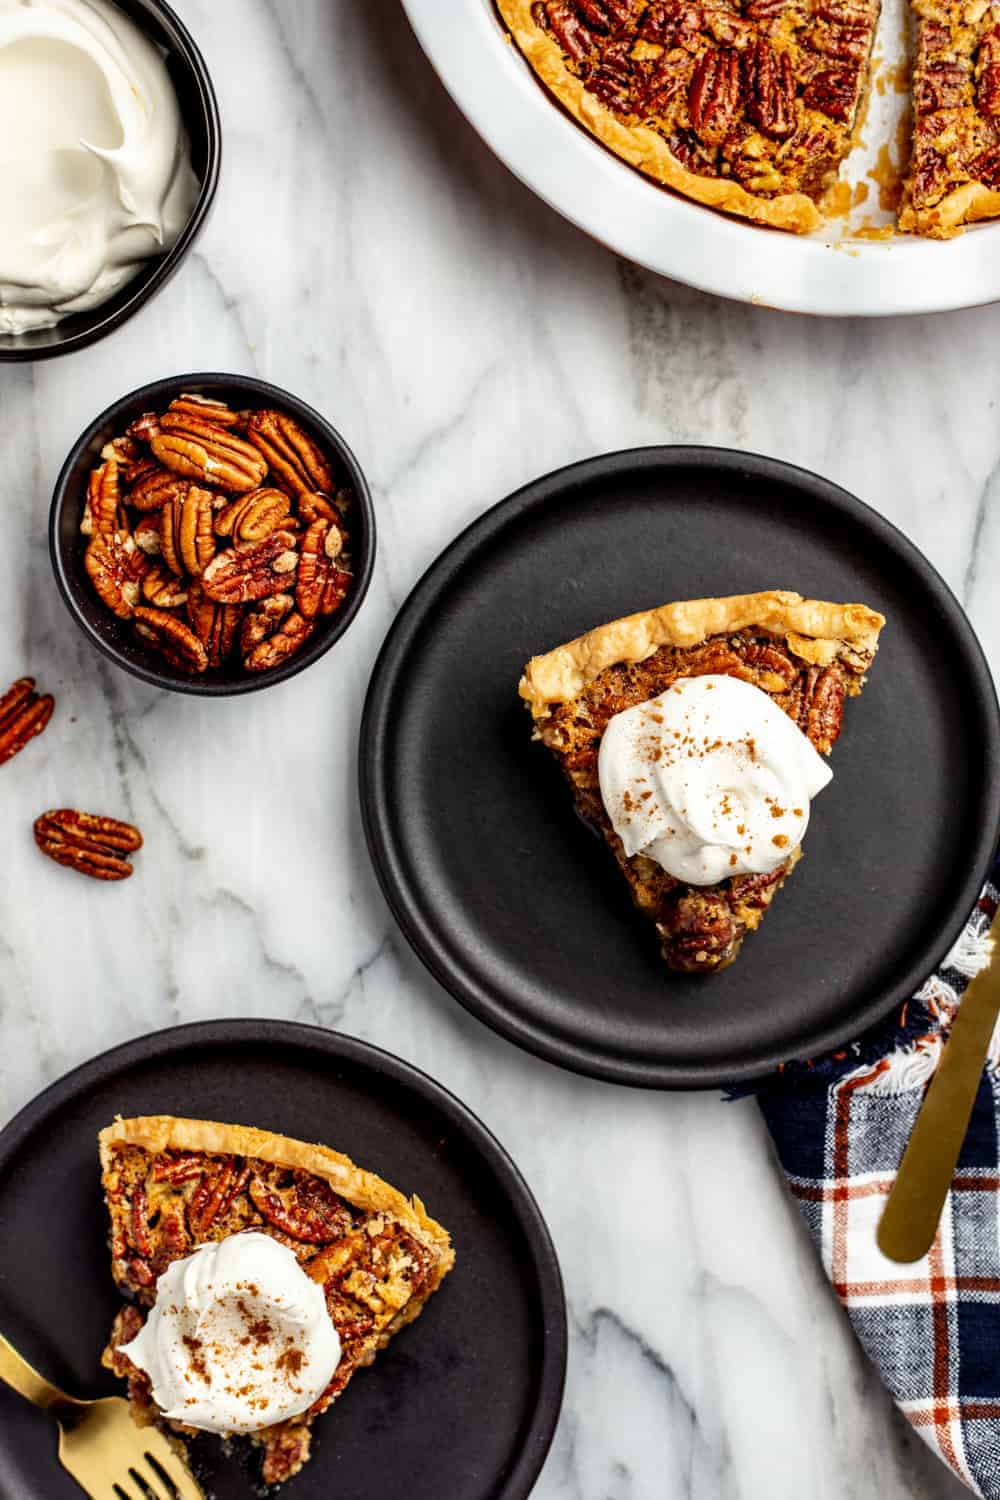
<point x="314" y="1215"/>
<point x="102" y="509"/>
<point x="770" y="83"/>
<point x="115" y="567"/>
<point x="296" y="459"/>
<point x="280" y="646"/>
<point x="144" y="428"/>
<point x="23" y="715"/>
<point x="238" y="577"/>
<point x="155" y="488"/>
<point x="825" y="710"/>
<point x="175" y="641"/>
<point x="187" y="533"/>
<point x="988" y="75"/>
<point x="714" y="95"/>
<point x="92" y="845"/>
<point x="216" y="625"/>
<point x="163" y="589"/>
<point x="208" y="454"/>
<point x="253" y="517"/>
<point x="321" y="586"/>
<point x="316" y="507"/>
<point x="204" y="409"/>
<point x="833" y="91"/>
<point x="263" y="619"/>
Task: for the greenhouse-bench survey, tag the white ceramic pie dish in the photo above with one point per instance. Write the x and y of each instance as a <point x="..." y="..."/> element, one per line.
<point x="831" y="273"/>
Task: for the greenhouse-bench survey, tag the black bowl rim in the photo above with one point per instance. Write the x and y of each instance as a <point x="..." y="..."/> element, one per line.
<point x="165" y="266"/>
<point x="173" y="385"/>
<point x="521" y="1478"/>
<point x="381" y="832"/>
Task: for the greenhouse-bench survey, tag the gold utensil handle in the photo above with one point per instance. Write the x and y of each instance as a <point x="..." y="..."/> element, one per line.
<point x="16" y="1372"/>
<point x="913" y="1210"/>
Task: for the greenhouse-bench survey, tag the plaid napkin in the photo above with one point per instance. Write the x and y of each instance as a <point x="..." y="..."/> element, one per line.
<point x="840" y="1127"/>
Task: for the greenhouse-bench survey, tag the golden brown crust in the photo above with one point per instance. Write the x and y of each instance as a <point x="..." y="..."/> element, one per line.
<point x="157" y="1133"/>
<point x="967" y="204"/>
<point x="816" y="631"/>
<point x="641" y="147"/>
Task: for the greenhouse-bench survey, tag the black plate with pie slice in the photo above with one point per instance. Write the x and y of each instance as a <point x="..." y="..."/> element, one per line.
<point x="463" y="1404"/>
<point x="520" y="912"/>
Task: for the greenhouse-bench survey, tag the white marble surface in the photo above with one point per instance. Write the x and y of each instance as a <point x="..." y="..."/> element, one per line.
<point x="368" y="253"/>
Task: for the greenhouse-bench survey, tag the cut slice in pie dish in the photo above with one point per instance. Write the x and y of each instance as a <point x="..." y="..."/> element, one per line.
<point x="202" y="1198"/>
<point x="954" y="174"/>
<point x="691" y="737"/>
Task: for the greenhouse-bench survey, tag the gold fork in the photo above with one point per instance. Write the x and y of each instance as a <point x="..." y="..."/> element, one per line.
<point x="106" y="1452"/>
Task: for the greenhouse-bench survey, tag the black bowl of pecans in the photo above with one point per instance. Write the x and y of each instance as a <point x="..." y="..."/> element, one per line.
<point x="212" y="534"/>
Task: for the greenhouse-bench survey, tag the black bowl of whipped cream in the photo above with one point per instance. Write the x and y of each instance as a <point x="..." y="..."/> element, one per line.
<point x="110" y="146"/>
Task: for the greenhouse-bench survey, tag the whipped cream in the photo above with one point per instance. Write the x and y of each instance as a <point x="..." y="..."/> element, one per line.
<point x="94" y="168"/>
<point x="239" y="1337"/>
<point x="710" y="779"/>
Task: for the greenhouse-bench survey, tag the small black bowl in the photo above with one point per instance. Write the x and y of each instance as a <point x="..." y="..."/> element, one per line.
<point x="200" y="113"/>
<point x="67" y="546"/>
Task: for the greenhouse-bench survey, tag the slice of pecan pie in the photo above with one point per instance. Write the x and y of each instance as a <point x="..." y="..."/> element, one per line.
<point x="749" y="106"/>
<point x="954" y="175"/>
<point x="806" y="655"/>
<point x="173" y="1185"/>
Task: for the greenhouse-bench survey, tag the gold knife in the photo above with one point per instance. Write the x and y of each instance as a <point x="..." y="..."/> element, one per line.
<point x="913" y="1210"/>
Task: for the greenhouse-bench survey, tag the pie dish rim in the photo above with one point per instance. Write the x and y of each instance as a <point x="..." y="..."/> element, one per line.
<point x="630" y="214"/>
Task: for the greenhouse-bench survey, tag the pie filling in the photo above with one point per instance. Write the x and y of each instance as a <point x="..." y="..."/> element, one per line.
<point x="375" y="1273"/>
<point x="701" y="928"/>
<point x="767" y="94"/>
<point x="956" y="116"/>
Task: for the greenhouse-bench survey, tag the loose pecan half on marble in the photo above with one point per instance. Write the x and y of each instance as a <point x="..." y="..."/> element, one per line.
<point x="23" y="715"/>
<point x="92" y="845"/>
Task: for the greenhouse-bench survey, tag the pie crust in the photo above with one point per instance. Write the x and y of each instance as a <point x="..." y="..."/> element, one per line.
<point x="806" y="654"/>
<point x="173" y="1184"/>
<point x="816" y="631"/>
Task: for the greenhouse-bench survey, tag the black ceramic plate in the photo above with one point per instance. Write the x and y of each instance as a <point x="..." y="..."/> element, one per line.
<point x="511" y="902"/>
<point x="462" y="1405"/>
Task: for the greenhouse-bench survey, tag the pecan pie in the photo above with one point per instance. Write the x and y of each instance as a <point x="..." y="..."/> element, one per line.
<point x="748" y="106"/>
<point x="954" y="175"/>
<point x="172" y="1185"/>
<point x="808" y="656"/>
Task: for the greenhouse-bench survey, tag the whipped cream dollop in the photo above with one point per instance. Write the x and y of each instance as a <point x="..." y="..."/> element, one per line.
<point x="710" y="779"/>
<point x="239" y="1337"/>
<point x="94" y="169"/>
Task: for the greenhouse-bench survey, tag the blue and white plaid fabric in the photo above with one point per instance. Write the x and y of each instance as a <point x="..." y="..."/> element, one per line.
<point x="840" y="1127"/>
